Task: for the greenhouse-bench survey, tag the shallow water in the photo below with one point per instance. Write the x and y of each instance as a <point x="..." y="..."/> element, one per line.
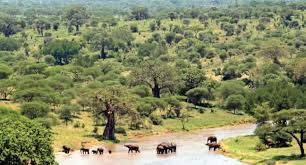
<point x="191" y="150"/>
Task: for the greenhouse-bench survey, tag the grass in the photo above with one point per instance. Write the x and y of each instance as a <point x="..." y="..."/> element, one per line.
<point x="68" y="135"/>
<point x="243" y="148"/>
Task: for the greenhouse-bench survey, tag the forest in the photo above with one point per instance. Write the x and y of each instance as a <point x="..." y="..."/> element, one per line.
<point x="106" y="71"/>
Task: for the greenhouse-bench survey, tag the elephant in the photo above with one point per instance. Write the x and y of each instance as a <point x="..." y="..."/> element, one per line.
<point x="94" y="152"/>
<point x="100" y="151"/>
<point x="214" y="146"/>
<point x="212" y="139"/>
<point x="132" y="148"/>
<point x="66" y="149"/>
<point x="165" y="148"/>
<point x="84" y="150"/>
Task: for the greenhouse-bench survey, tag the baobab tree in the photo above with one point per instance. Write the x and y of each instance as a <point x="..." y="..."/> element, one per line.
<point x="110" y="102"/>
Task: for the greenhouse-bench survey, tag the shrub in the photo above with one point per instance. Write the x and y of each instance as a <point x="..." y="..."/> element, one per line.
<point x="95" y="130"/>
<point x="156" y="120"/>
<point x="270" y="162"/>
<point x="77" y="124"/>
<point x="142" y="91"/>
<point x="134" y="28"/>
<point x="34" y="110"/>
<point x="120" y="130"/>
<point x="9" y="44"/>
<point x="261" y="147"/>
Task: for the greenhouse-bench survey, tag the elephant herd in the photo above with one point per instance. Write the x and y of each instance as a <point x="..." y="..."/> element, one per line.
<point x="165" y="148"/>
<point x="162" y="148"/>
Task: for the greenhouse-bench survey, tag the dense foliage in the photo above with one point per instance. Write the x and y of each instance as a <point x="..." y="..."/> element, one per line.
<point x="23" y="141"/>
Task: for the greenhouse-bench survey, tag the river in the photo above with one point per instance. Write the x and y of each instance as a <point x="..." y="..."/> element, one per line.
<point x="191" y="150"/>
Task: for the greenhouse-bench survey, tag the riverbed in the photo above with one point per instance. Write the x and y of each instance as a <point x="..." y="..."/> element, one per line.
<point x="191" y="150"/>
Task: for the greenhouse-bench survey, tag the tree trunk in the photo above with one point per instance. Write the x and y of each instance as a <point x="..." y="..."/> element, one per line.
<point x="109" y="130"/>
<point x="301" y="145"/>
<point x="102" y="53"/>
<point x="156" y="91"/>
<point x="77" y="28"/>
<point x="299" y="141"/>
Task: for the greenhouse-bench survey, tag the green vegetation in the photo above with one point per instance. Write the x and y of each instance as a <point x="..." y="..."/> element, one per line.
<point x="19" y="134"/>
<point x="94" y="72"/>
<point x="244" y="149"/>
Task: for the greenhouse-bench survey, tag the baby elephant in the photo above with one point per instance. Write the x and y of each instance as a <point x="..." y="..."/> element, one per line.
<point x="66" y="149"/>
<point x="214" y="146"/>
<point x="95" y="152"/>
<point x="132" y="148"/>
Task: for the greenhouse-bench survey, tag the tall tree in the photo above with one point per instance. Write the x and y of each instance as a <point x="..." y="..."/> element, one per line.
<point x="77" y="16"/>
<point x="9" y="26"/>
<point x="41" y="25"/>
<point x="292" y="122"/>
<point x="110" y="102"/>
<point x="157" y="75"/>
<point x="140" y="13"/>
<point x="102" y="41"/>
<point x="62" y="50"/>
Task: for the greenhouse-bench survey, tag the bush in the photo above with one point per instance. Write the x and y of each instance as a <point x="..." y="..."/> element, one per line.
<point x="134" y="28"/>
<point x="261" y="147"/>
<point x="34" y="110"/>
<point x="46" y="122"/>
<point x="9" y="44"/>
<point x="77" y="124"/>
<point x="156" y="120"/>
<point x="95" y="130"/>
<point x="142" y="91"/>
<point x="270" y="162"/>
<point x="120" y="130"/>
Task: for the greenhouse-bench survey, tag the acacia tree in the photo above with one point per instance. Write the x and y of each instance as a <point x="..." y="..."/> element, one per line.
<point x="274" y="53"/>
<point x="109" y="103"/>
<point x="102" y="42"/>
<point x="62" y="50"/>
<point x="157" y="75"/>
<point x="77" y="16"/>
<point x="293" y="122"/>
<point x="9" y="26"/>
<point x="42" y="25"/>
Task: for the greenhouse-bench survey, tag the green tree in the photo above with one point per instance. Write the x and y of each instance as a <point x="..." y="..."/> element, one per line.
<point x="66" y="114"/>
<point x="34" y="110"/>
<point x="192" y="78"/>
<point x="23" y="141"/>
<point x="235" y="102"/>
<point x="77" y="16"/>
<point x="228" y="88"/>
<point x="110" y="102"/>
<point x="62" y="50"/>
<point x="9" y="26"/>
<point x="293" y="122"/>
<point x="9" y="44"/>
<point x="41" y="25"/>
<point x="197" y="95"/>
<point x="275" y="52"/>
<point x="102" y="42"/>
<point x="184" y="120"/>
<point x="5" y="71"/>
<point x="140" y="13"/>
<point x="157" y="75"/>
